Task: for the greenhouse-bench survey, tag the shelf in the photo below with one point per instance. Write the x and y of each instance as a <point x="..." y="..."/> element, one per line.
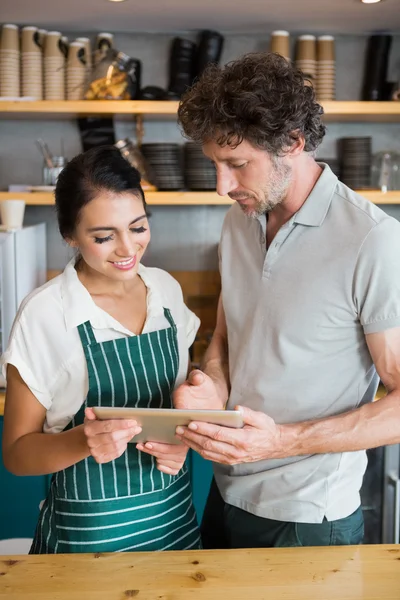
<point x="63" y="109"/>
<point x="186" y="198"/>
<point x="66" y="109"/>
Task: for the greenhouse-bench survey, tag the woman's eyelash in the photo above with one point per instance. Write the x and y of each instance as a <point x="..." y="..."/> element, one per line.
<point x="102" y="240"/>
<point x="109" y="237"/>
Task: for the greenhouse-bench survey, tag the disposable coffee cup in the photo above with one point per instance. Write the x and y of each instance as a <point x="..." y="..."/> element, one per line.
<point x="10" y="37"/>
<point x="104" y="41"/>
<point x="12" y="213"/>
<point x="280" y="43"/>
<point x="30" y="40"/>
<point x="326" y="48"/>
<point x="76" y="55"/>
<point x="52" y="47"/>
<point x="306" y="48"/>
<point x="88" y="49"/>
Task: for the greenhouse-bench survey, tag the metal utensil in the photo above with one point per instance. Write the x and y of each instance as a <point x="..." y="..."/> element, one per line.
<point x="44" y="150"/>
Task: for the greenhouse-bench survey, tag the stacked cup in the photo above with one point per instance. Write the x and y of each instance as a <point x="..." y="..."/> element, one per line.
<point x="326" y="67"/>
<point x="9" y="61"/>
<point x="104" y="41"/>
<point x="54" y="67"/>
<point x="306" y="56"/>
<point x="31" y="63"/>
<point x="280" y="43"/>
<point x="88" y="51"/>
<point x="76" y="71"/>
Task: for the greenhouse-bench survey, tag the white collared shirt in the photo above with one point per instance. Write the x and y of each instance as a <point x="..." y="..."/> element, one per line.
<point x="45" y="346"/>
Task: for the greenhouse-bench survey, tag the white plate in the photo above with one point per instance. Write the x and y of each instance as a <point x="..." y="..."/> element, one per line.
<point x="42" y="188"/>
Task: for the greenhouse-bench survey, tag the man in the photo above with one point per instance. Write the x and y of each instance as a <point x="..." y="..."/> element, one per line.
<point x="308" y="319"/>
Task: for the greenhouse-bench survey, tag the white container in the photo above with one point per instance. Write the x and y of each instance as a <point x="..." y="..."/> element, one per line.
<point x="12" y="214"/>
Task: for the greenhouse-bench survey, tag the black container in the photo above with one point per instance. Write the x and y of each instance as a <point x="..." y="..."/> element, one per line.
<point x="209" y="50"/>
<point x="181" y="66"/>
<point x="376" y="64"/>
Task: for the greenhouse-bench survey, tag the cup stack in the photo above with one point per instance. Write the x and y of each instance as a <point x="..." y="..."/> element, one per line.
<point x="54" y="67"/>
<point x="355" y="161"/>
<point x="41" y="37"/>
<point x="306" y="56"/>
<point x="9" y="61"/>
<point x="104" y="41"/>
<point x="76" y="71"/>
<point x="88" y="51"/>
<point x="31" y="63"/>
<point x="280" y="43"/>
<point x="326" y="68"/>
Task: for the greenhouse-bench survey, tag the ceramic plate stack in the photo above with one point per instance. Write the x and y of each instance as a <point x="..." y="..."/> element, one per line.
<point x="31" y="63"/>
<point x="54" y="67"/>
<point x="9" y="61"/>
<point x="326" y="72"/>
<point x="199" y="172"/>
<point x="166" y="165"/>
<point x="355" y="161"/>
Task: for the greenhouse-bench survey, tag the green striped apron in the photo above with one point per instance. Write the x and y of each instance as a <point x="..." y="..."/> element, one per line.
<point x="126" y="504"/>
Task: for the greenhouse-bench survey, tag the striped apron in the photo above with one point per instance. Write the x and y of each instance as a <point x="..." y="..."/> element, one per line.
<point x="126" y="504"/>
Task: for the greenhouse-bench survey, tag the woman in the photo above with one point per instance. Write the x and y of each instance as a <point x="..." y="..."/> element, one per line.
<point x="106" y="332"/>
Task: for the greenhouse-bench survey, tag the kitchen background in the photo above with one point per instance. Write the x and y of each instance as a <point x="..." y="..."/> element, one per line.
<point x="185" y="238"/>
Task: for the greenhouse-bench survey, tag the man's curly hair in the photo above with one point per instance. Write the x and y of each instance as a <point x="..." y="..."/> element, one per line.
<point x="259" y="98"/>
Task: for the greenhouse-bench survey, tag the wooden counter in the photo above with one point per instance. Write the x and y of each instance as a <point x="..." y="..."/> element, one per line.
<point x="331" y="573"/>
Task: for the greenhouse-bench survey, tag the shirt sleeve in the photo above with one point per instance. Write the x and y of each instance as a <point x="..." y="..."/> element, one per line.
<point x="377" y="278"/>
<point x="22" y="353"/>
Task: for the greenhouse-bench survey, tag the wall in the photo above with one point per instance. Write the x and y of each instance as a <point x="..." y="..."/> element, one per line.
<point x="184" y="238"/>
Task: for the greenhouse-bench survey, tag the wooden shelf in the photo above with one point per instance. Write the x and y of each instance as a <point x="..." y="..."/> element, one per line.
<point x="377" y="112"/>
<point x="66" y="109"/>
<point x="186" y="198"/>
<point x="334" y="111"/>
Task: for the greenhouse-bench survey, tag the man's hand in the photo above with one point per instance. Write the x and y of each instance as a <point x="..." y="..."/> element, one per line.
<point x="170" y="457"/>
<point x="197" y="392"/>
<point x="259" y="439"/>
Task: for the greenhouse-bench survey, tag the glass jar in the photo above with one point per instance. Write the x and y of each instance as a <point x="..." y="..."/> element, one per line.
<point x="116" y="76"/>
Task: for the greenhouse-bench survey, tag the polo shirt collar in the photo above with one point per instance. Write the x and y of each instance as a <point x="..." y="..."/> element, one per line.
<point x="316" y="206"/>
<point x="79" y="307"/>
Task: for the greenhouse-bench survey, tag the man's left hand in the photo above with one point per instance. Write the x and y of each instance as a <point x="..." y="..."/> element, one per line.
<point x="259" y="439"/>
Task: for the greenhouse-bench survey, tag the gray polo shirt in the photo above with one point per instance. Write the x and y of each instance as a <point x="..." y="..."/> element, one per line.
<point x="297" y="316"/>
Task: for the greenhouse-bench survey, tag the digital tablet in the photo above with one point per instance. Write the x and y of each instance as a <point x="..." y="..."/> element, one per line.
<point x="159" y="424"/>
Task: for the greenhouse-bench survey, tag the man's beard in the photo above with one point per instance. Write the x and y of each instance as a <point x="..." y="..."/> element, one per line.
<point x="275" y="191"/>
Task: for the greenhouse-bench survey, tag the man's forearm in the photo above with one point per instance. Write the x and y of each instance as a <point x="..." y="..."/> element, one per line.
<point x="215" y="364"/>
<point x="372" y="425"/>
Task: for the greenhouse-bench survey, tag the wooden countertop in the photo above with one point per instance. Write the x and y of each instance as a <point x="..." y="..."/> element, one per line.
<point x="329" y="573"/>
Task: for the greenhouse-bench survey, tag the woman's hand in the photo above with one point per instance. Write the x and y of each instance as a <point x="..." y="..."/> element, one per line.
<point x="170" y="457"/>
<point x="107" y="440"/>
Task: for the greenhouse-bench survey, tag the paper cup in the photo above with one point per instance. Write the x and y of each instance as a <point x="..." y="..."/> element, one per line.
<point x="326" y="48"/>
<point x="306" y="48"/>
<point x="30" y="40"/>
<point x="280" y="43"/>
<point x="10" y="37"/>
<point x="12" y="213"/>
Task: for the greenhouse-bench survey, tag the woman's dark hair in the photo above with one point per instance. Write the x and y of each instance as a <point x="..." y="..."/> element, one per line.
<point x="100" y="169"/>
<point x="260" y="98"/>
